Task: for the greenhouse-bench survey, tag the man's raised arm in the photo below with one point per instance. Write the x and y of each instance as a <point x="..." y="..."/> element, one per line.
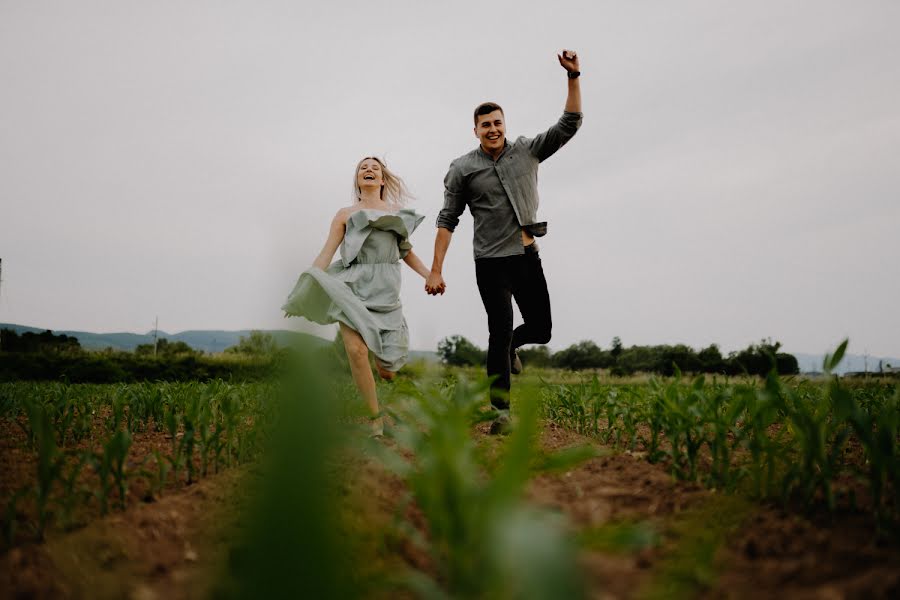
<point x="569" y="61"/>
<point x="545" y="144"/>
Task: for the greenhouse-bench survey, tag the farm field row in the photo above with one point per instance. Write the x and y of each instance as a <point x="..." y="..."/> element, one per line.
<point x="664" y="488"/>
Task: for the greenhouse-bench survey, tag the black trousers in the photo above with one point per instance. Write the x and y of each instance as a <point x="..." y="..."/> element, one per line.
<point x="499" y="281"/>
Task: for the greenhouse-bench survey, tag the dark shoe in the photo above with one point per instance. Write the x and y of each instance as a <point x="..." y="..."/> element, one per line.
<point x="502" y="425"/>
<point x="515" y="363"/>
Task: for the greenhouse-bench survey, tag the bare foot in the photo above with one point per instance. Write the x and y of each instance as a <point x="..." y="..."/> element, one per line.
<point x="376" y="428"/>
<point x="384" y="373"/>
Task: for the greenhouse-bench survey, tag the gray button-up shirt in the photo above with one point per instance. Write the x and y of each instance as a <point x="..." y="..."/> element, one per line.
<point x="502" y="195"/>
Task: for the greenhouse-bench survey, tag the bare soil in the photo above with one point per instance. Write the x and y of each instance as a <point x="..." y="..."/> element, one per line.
<point x="166" y="549"/>
<point x="773" y="554"/>
<point x="173" y="546"/>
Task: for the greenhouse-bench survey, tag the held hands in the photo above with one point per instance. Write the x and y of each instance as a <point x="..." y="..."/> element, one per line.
<point x="434" y="284"/>
<point x="569" y="60"/>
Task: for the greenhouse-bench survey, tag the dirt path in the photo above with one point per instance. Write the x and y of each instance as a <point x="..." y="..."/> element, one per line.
<point x="643" y="534"/>
<point x="709" y="544"/>
<point x="166" y="549"/>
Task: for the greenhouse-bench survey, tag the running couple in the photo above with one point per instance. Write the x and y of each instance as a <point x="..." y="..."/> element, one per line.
<point x="361" y="291"/>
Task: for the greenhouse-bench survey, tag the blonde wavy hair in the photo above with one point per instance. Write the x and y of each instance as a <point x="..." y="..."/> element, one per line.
<point x="394" y="190"/>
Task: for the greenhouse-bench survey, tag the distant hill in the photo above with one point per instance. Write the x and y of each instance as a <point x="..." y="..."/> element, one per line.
<point x="208" y="341"/>
<point x="212" y="341"/>
<point x="427" y="356"/>
<point x="852" y="363"/>
<point x="215" y="341"/>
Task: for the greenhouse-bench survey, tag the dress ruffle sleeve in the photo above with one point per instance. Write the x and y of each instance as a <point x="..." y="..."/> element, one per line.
<point x="402" y="224"/>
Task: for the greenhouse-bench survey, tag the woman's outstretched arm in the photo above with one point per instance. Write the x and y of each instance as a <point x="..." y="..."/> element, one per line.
<point x="335" y="236"/>
<point x="416" y="264"/>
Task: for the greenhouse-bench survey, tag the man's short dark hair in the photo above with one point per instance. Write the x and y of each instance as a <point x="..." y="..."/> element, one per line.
<point x="486" y="108"/>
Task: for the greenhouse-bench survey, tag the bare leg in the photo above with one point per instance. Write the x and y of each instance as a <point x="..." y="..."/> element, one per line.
<point x="358" y="356"/>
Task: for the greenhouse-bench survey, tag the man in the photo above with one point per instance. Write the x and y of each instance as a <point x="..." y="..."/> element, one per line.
<point x="498" y="182"/>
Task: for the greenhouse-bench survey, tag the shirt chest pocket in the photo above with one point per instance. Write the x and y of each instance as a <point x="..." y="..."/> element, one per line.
<point x="517" y="168"/>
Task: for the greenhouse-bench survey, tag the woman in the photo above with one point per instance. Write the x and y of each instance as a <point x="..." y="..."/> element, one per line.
<point x="361" y="291"/>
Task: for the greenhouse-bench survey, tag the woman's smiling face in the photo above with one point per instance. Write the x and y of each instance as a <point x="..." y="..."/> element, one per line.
<point x="369" y="174"/>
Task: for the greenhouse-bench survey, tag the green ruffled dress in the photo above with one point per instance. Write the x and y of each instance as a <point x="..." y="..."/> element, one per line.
<point x="362" y="289"/>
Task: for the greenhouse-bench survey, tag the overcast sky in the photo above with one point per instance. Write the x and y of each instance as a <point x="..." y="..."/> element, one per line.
<point x="736" y="176"/>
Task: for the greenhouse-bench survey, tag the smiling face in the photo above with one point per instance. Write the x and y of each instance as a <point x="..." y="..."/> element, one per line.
<point x="369" y="175"/>
<point x="491" y="131"/>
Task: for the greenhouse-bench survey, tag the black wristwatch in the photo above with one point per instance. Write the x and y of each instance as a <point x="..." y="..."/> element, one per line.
<point x="573" y="74"/>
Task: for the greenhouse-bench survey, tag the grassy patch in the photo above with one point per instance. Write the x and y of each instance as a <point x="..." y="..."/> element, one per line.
<point x="624" y="537"/>
<point x="689" y="563"/>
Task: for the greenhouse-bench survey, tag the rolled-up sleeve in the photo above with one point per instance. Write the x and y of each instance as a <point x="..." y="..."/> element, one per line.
<point x="454" y="199"/>
<point x="545" y="144"/>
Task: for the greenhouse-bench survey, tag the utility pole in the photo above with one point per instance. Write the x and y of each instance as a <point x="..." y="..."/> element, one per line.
<point x="155" y="335"/>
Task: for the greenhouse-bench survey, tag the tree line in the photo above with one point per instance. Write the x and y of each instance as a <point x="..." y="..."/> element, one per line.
<point x="756" y="359"/>
<point x="47" y="356"/>
<point x="46" y="341"/>
<point x="257" y="344"/>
